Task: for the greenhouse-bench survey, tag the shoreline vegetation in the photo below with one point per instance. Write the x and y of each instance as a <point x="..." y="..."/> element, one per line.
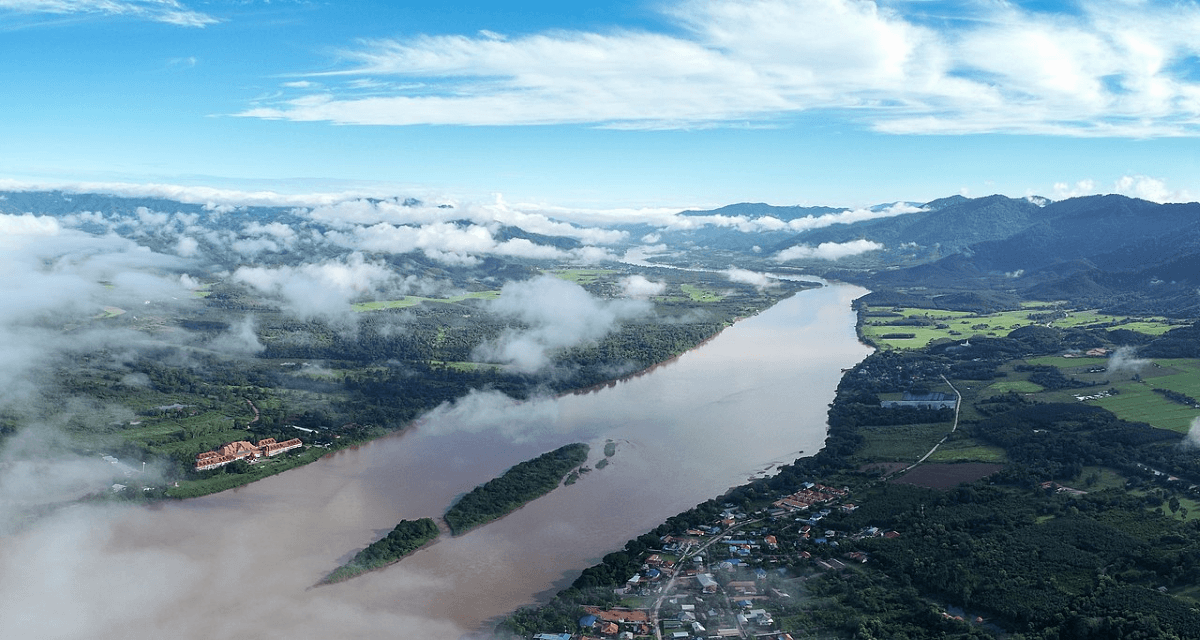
<point x="364" y="401"/>
<point x="1047" y="482"/>
<point x="405" y="539"/>
<point x="515" y="488"/>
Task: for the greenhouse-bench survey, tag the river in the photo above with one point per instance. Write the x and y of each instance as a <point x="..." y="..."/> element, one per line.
<point x="240" y="564"/>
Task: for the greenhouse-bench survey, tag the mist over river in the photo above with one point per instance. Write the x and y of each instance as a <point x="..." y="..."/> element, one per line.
<point x="240" y="564"/>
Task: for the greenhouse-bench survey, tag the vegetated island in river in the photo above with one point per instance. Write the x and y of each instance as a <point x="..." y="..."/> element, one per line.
<point x="518" y="486"/>
<point x="406" y="538"/>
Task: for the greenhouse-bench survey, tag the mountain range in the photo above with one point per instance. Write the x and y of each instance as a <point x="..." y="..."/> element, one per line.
<point x="1106" y="250"/>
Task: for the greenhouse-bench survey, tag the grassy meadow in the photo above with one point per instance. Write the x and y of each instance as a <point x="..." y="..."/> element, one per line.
<point x="960" y="325"/>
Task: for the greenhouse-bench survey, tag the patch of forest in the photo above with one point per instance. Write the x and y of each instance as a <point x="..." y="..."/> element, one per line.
<point x="1089" y="531"/>
<point x="407" y="537"/>
<point x="519" y="485"/>
<point x="335" y="385"/>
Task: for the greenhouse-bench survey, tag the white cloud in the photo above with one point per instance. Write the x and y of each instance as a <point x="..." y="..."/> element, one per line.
<point x="168" y="11"/>
<point x="320" y="289"/>
<point x="457" y="244"/>
<point x="529" y="218"/>
<point x="277" y="230"/>
<point x="1062" y="190"/>
<point x="745" y="276"/>
<point x="16" y="230"/>
<point x="850" y="216"/>
<point x="480" y="411"/>
<point x="1148" y="188"/>
<point x="1192" y="439"/>
<point x="187" y="247"/>
<point x="1135" y="186"/>
<point x="638" y="286"/>
<point x="556" y="314"/>
<point x="240" y="339"/>
<point x="1112" y="68"/>
<point x="827" y="250"/>
<point x="52" y="276"/>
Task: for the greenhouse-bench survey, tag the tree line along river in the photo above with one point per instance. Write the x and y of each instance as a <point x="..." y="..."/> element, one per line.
<point x="242" y="563"/>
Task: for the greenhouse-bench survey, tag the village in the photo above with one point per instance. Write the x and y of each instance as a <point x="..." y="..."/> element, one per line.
<point x="739" y="576"/>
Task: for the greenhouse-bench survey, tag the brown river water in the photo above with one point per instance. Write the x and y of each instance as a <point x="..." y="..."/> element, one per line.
<point x="240" y="564"/>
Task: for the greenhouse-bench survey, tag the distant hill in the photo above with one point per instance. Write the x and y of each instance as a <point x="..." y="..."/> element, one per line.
<point x="759" y="209"/>
<point x="1103" y="249"/>
<point x="947" y="226"/>
<point x="1108" y="249"/>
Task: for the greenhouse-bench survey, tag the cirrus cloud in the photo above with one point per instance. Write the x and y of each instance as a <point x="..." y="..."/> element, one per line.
<point x="1107" y="69"/>
<point x="168" y="11"/>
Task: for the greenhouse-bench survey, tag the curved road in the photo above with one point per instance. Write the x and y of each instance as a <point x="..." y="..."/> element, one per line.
<point x="957" y="404"/>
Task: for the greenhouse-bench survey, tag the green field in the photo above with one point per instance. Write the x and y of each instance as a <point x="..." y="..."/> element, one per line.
<point x="968" y="450"/>
<point x="1019" y="386"/>
<point x="412" y="301"/>
<point x="1137" y="403"/>
<point x="1099" y="478"/>
<point x="1136" y="400"/>
<point x="581" y="276"/>
<point x="463" y="366"/>
<point x="900" y="443"/>
<point x="961" y="325"/>
<point x="700" y="294"/>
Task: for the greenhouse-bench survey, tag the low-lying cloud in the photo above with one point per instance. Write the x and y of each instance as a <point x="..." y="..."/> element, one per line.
<point x="640" y="287"/>
<point x="745" y="276"/>
<point x="322" y="289"/>
<point x="1192" y="439"/>
<point x="492" y="411"/>
<point x="828" y="250"/>
<point x="554" y="314"/>
<point x="1125" y="360"/>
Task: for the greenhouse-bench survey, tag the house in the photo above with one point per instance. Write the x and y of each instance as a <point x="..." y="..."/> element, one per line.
<point x="552" y="636"/>
<point x="707" y="583"/>
<point x="760" y="617"/>
<point x="745" y="588"/>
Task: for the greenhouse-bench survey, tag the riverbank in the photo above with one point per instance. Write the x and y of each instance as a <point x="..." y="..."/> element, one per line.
<point x="335" y="440"/>
<point x="235" y="556"/>
<point x="1004" y="521"/>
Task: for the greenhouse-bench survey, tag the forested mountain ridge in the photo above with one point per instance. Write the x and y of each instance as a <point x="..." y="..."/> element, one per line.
<point x="950" y="226"/>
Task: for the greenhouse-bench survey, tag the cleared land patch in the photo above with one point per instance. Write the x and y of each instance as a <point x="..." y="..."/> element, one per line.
<point x="700" y="294"/>
<point x="1135" y="400"/>
<point x="968" y="450"/>
<point x="412" y="301"/>
<point x="900" y="443"/>
<point x="888" y="326"/>
<point x="581" y="276"/>
<point x="946" y="476"/>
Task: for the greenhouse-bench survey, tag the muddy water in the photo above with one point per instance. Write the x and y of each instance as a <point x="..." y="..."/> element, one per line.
<point x="241" y="563"/>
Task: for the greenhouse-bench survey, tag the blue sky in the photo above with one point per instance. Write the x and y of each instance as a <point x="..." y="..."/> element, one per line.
<point x="607" y="104"/>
